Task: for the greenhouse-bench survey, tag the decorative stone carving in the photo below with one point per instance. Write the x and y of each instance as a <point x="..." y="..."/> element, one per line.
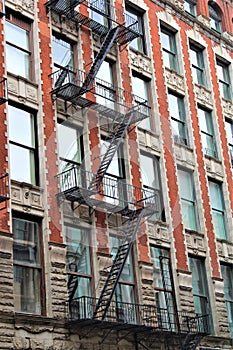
<point x="203" y="95"/>
<point x="149" y="140"/>
<point x="214" y="167"/>
<point x="225" y="251"/>
<point x="184" y="155"/>
<point x="23" y="5"/>
<point x="21" y="90"/>
<point x="204" y="20"/>
<point x="175" y="81"/>
<point x="195" y="242"/>
<point x="27" y="198"/>
<point x="227" y="108"/>
<point x="140" y="62"/>
<point x="179" y="4"/>
<point x="158" y="231"/>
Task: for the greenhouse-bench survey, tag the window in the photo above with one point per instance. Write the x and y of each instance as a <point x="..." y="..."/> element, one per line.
<point x="125" y="287"/>
<point x="229" y="132"/>
<point x="207" y="132"/>
<point x="141" y="95"/>
<point x="134" y="16"/>
<point x="23" y="146"/>
<point x="215" y="17"/>
<point x="100" y="11"/>
<point x="178" y="120"/>
<point x="227" y="275"/>
<point x="27" y="266"/>
<point x="188" y="199"/>
<point x="18" y="53"/>
<point x="168" y="42"/>
<point x="113" y="186"/>
<point x="151" y="179"/>
<point x="163" y="287"/>
<point x="78" y="262"/>
<point x="218" y="209"/>
<point x="62" y="53"/>
<point x="224" y="79"/>
<point x="70" y="146"/>
<point x="200" y="290"/>
<point x="190" y="7"/>
<point x="197" y="62"/>
<point x="104" y="88"/>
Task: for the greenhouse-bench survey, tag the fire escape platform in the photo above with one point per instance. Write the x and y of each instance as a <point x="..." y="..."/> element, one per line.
<point x="145" y="320"/>
<point x="128" y="26"/>
<point x="113" y="196"/>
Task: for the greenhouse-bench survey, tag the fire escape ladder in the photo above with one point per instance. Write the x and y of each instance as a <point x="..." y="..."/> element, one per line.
<point x="116" y="140"/>
<point x="191" y="341"/>
<point x="100" y="57"/>
<point x="118" y="265"/>
<point x="61" y="78"/>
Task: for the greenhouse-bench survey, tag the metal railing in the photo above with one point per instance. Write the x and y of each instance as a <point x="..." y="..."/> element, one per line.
<point x="4" y="187"/>
<point x="124" y="100"/>
<point x="112" y="188"/>
<point x="141" y="315"/>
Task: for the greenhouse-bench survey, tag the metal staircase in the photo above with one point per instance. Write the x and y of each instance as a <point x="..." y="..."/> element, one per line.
<point x="110" y="285"/>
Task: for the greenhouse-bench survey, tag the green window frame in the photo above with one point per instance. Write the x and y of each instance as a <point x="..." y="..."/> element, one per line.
<point x="62" y="51"/>
<point x="224" y="78"/>
<point x="229" y="133"/>
<point x="218" y="209"/>
<point x="215" y="17"/>
<point x="138" y="43"/>
<point x="178" y="119"/>
<point x="23" y="146"/>
<point x="78" y="261"/>
<point x="168" y="42"/>
<point x="104" y="88"/>
<point x="200" y="291"/>
<point x="140" y="89"/>
<point x="188" y="200"/>
<point x="227" y="275"/>
<point x="197" y="62"/>
<point x="190" y="7"/>
<point x="207" y="133"/>
<point x="27" y="266"/>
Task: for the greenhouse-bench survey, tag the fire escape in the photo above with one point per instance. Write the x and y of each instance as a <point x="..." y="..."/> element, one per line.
<point x="100" y="191"/>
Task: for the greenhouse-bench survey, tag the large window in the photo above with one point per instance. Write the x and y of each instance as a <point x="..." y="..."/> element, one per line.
<point x="151" y="180"/>
<point x="224" y="79"/>
<point x="229" y="131"/>
<point x="218" y="209"/>
<point x="178" y="120"/>
<point x="227" y="275"/>
<point x="62" y="53"/>
<point x="188" y="199"/>
<point x="23" y="146"/>
<point x="78" y="262"/>
<point x="18" y="52"/>
<point x="200" y="290"/>
<point x="197" y="62"/>
<point x="132" y="16"/>
<point x="207" y="132"/>
<point x="70" y="146"/>
<point x="215" y="17"/>
<point x="125" y="288"/>
<point x="104" y="89"/>
<point x="163" y="287"/>
<point x="100" y="11"/>
<point x="168" y="41"/>
<point x="27" y="266"/>
<point x="141" y="95"/>
<point x="190" y="7"/>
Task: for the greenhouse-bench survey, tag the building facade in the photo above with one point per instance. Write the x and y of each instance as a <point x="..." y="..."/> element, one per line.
<point x="116" y="189"/>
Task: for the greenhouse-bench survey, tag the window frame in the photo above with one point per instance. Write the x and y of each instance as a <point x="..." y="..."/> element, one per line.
<point x="172" y="52"/>
<point x="40" y="266"/>
<point x="192" y="200"/>
<point x="220" y="209"/>
<point x="192" y="7"/>
<point x="225" y="82"/>
<point x="141" y="45"/>
<point x="86" y="276"/>
<point x="229" y="139"/>
<point x="182" y="140"/>
<point x="215" y="17"/>
<point x="56" y="37"/>
<point x="34" y="173"/>
<point x="229" y="301"/>
<point x="25" y="24"/>
<point x="199" y="68"/>
<point x="209" y="133"/>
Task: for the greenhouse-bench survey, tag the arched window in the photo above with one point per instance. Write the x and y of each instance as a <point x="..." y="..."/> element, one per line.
<point x="215" y="17"/>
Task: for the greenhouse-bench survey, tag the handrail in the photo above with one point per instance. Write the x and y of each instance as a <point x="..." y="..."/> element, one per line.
<point x="142" y="315"/>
